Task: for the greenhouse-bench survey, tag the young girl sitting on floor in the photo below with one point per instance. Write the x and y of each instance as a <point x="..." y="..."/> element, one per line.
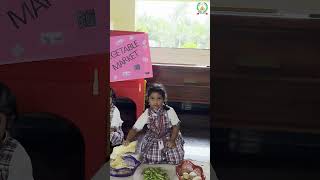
<point x="162" y="142"/>
<point x="116" y="133"/>
<point x="15" y="162"/>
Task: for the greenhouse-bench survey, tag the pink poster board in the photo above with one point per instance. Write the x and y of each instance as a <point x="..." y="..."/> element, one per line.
<point x="33" y="30"/>
<point x="129" y="56"/>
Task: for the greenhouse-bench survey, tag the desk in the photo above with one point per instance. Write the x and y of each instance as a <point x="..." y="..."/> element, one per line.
<point x="184" y="83"/>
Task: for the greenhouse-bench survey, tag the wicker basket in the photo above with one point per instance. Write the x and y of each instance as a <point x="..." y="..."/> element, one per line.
<point x="187" y="165"/>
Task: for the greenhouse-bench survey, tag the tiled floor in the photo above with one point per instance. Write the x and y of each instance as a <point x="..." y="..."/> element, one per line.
<point x="197" y="149"/>
<point x="196" y="133"/>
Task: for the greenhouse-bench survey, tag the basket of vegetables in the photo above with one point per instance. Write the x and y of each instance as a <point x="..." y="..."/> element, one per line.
<point x="189" y="171"/>
<point x="124" y="166"/>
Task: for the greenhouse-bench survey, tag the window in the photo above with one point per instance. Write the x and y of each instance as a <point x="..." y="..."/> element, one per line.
<point x="174" y="24"/>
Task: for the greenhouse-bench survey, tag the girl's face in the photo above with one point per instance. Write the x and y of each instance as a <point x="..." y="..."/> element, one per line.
<point x="155" y="101"/>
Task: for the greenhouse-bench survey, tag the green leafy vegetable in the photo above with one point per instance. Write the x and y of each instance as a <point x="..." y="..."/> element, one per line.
<point x="155" y="173"/>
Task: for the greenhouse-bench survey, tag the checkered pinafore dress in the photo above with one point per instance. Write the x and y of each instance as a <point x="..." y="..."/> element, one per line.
<point x="116" y="137"/>
<point x="159" y="128"/>
<point x="6" y="152"/>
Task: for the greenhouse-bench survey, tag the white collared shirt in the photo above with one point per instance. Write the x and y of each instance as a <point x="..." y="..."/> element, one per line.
<point x="20" y="167"/>
<point x="116" y="119"/>
<point x="143" y="119"/>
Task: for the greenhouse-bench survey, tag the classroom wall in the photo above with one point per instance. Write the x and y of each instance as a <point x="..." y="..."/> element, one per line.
<point x="122" y="15"/>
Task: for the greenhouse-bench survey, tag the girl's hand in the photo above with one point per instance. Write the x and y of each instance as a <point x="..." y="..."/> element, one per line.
<point x="171" y="144"/>
<point x="112" y="129"/>
<point x="125" y="143"/>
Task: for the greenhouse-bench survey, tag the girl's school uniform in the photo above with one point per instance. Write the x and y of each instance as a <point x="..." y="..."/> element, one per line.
<point x="116" y="136"/>
<point x="159" y="129"/>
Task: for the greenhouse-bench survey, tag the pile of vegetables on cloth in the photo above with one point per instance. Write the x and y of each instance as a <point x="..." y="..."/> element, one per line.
<point x="155" y="173"/>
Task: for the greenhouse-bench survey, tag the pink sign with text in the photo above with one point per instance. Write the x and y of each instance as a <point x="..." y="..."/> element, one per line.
<point x="129" y="56"/>
<point x="33" y="30"/>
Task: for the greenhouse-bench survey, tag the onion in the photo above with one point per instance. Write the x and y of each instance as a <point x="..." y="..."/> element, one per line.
<point x="192" y="174"/>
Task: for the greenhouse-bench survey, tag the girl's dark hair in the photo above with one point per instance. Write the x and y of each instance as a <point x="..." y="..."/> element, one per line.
<point x="8" y="104"/>
<point x="113" y="96"/>
<point x="159" y="88"/>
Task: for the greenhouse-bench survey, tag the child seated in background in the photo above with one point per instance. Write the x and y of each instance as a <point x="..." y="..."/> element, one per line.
<point x="163" y="142"/>
<point x="15" y="163"/>
<point x="116" y="133"/>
